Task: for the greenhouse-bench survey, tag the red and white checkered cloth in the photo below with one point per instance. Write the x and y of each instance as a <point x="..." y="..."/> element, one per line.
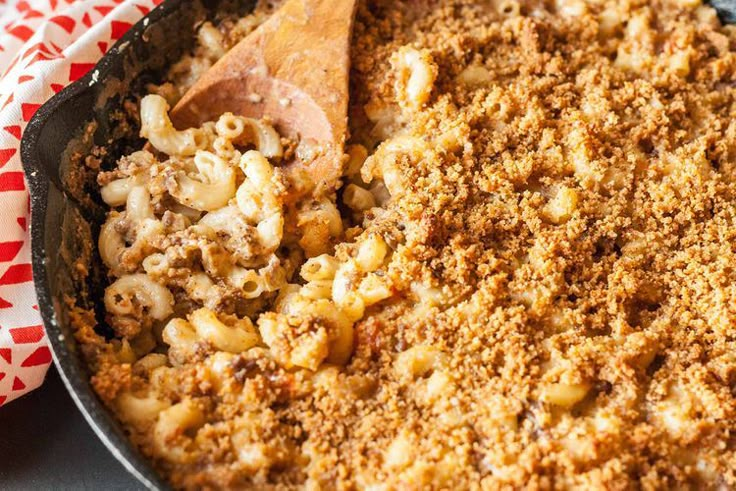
<point x="44" y="46"/>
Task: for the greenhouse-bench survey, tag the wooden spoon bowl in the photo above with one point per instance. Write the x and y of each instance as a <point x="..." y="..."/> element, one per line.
<point x="293" y="69"/>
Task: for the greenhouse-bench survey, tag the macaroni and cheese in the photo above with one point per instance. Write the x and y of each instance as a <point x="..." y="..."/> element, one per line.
<point x="525" y="278"/>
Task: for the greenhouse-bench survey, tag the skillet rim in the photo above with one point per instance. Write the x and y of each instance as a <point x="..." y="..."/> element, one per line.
<point x="98" y="417"/>
<point x="76" y="382"/>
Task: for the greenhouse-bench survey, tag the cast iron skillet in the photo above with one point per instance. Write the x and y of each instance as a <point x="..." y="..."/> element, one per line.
<point x="66" y="210"/>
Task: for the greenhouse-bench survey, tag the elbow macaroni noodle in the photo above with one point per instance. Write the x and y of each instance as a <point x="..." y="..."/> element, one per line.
<point x="416" y="76"/>
<point x="160" y="132"/>
<point x="214" y="188"/>
<point x="215" y="206"/>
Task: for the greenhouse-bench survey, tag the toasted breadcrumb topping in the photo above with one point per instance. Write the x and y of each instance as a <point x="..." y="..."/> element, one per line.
<point x="562" y="181"/>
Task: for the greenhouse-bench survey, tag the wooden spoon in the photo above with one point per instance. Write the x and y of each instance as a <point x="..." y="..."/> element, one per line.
<point x="293" y="69"/>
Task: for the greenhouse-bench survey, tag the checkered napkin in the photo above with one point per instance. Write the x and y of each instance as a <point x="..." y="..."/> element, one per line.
<point x="44" y="46"/>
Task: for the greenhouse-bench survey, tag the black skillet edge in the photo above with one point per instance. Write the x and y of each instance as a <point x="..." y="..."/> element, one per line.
<point x="75" y="380"/>
<point x="67" y="362"/>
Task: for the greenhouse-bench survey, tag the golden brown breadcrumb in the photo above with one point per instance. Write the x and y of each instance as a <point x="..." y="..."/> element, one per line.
<point x="563" y="236"/>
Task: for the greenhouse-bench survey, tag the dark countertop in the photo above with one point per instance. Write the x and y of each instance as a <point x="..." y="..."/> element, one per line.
<point x="45" y="443"/>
